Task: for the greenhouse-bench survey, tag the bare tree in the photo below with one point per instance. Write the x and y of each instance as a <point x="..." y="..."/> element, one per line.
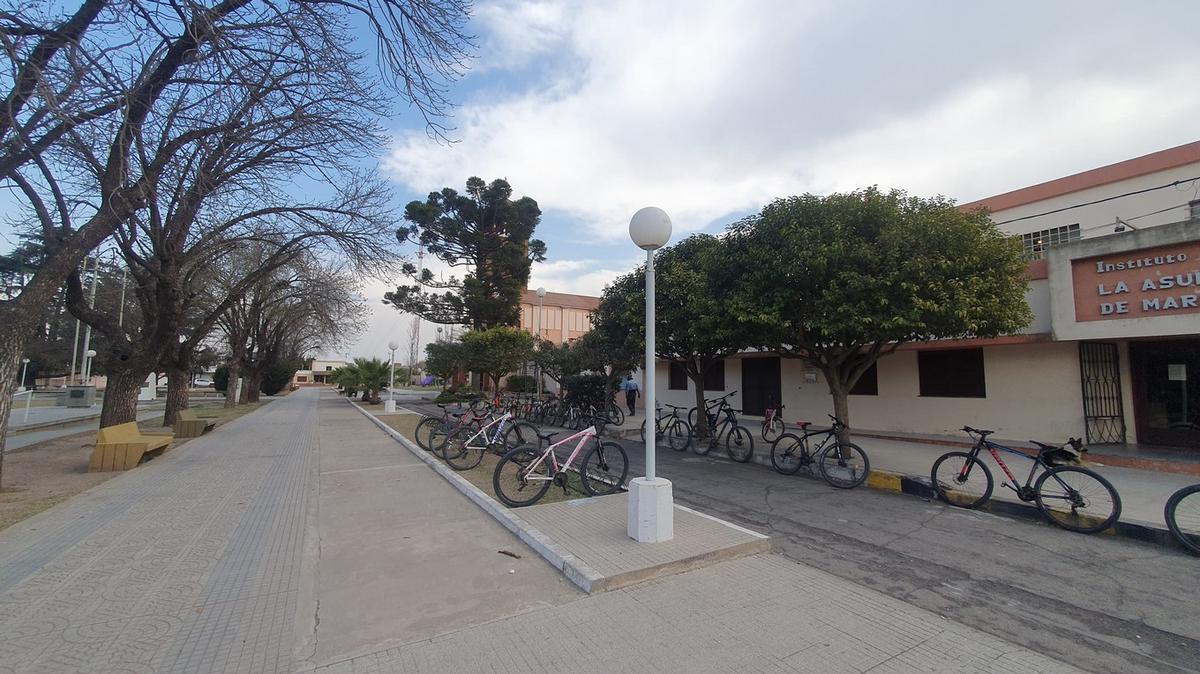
<point x="100" y="75"/>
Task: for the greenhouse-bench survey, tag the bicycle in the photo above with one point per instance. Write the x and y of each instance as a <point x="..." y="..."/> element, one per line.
<point x="677" y="431"/>
<point x="524" y="475"/>
<point x="772" y="425"/>
<point x="1182" y="513"/>
<point x="739" y="441"/>
<point x="465" y="447"/>
<point x="1072" y="497"/>
<point x="712" y="408"/>
<point x="842" y="464"/>
<point x="431" y="432"/>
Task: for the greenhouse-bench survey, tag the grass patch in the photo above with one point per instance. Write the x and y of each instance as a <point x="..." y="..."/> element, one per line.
<point x="481" y="475"/>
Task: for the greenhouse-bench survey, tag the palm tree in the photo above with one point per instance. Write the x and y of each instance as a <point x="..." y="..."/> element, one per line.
<point x="372" y="377"/>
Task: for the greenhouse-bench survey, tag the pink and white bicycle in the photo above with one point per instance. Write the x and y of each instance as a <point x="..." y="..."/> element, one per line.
<point x="524" y="474"/>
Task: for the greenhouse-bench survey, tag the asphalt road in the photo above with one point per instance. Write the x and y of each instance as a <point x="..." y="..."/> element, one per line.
<point x="1098" y="602"/>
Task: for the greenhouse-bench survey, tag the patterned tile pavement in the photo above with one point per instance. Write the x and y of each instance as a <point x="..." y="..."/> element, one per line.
<point x="756" y="614"/>
<point x="188" y="563"/>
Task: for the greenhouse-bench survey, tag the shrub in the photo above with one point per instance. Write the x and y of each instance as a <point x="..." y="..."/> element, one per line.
<point x="458" y="394"/>
<point x="278" y="375"/>
<point x="589" y="389"/>
<point x="221" y="379"/>
<point x="522" y="383"/>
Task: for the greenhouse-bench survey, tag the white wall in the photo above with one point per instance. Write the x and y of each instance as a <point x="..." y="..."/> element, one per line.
<point x="1033" y="392"/>
<point x="1097" y="220"/>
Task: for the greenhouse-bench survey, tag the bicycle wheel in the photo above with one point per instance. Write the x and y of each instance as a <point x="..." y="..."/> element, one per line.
<point x="615" y="416"/>
<point x="421" y="432"/>
<point x="604" y="469"/>
<point x="692" y="417"/>
<point x="787" y="454"/>
<point x="1077" y="499"/>
<point x="1183" y="517"/>
<point x="961" y="480"/>
<point x="464" y="449"/>
<point x="739" y="444"/>
<point x="437" y="437"/>
<point x="679" y="435"/>
<point x="844" y="465"/>
<point x="520" y="434"/>
<point x="513" y="482"/>
<point x="642" y="432"/>
<point x="772" y="429"/>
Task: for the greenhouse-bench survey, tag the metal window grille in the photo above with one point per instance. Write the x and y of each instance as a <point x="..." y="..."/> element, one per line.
<point x="1036" y="243"/>
<point x="1100" y="378"/>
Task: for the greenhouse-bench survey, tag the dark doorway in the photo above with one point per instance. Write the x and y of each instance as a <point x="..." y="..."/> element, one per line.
<point x="1166" y="391"/>
<point x="760" y="384"/>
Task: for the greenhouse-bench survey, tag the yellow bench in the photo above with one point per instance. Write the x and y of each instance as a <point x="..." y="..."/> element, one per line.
<point x="188" y="425"/>
<point x="121" y="447"/>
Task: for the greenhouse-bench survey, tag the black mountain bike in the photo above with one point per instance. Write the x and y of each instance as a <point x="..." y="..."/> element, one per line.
<point x="673" y="427"/>
<point x="739" y="441"/>
<point x="842" y="464"/>
<point x="712" y="408"/>
<point x="1073" y="497"/>
<point x="1183" y="517"/>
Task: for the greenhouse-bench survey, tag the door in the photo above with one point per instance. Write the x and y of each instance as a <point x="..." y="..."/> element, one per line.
<point x="760" y="384"/>
<point x="1167" y="392"/>
<point x="1100" y="376"/>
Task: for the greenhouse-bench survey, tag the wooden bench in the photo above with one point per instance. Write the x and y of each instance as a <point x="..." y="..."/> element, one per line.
<point x="188" y="425"/>
<point x="121" y="447"/>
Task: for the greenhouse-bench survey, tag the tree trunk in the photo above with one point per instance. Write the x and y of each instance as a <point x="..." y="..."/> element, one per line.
<point x="251" y="388"/>
<point x="177" y="394"/>
<point x="701" y="430"/>
<point x="231" y="393"/>
<point x="841" y="404"/>
<point x="12" y="344"/>
<point x="120" y="397"/>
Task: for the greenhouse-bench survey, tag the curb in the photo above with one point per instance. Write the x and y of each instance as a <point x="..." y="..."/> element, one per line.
<point x="579" y="573"/>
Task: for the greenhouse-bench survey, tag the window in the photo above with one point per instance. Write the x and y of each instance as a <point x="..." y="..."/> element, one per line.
<point x="951" y="373"/>
<point x="714" y="378"/>
<point x="1194" y="210"/>
<point x="328" y="368"/>
<point x="677" y="377"/>
<point x="1036" y="243"/>
<point x="868" y="383"/>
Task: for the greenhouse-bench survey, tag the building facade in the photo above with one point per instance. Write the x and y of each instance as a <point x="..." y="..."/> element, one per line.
<point x="319" y="375"/>
<point x="557" y="317"/>
<point x="1112" y="355"/>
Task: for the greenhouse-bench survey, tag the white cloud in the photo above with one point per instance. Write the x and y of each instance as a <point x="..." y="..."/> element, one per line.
<point x="581" y="277"/>
<point x="708" y="109"/>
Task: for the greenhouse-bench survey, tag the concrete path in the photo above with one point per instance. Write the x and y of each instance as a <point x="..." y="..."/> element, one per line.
<point x="299" y="538"/>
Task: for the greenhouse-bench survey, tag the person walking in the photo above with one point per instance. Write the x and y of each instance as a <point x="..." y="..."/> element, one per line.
<point x="632" y="391"/>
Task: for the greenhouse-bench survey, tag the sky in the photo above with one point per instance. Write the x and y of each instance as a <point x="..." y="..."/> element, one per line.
<point x="711" y="109"/>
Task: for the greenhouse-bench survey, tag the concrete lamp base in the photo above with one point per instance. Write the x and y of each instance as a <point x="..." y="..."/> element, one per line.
<point x="651" y="510"/>
<point x="389" y="406"/>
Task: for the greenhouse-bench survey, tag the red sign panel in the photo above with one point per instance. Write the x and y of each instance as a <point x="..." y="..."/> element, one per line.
<point x="1147" y="283"/>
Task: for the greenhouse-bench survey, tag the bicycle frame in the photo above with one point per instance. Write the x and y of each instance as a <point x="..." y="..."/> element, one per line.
<point x="483" y="431"/>
<point x="1022" y="490"/>
<point x="589" y="432"/>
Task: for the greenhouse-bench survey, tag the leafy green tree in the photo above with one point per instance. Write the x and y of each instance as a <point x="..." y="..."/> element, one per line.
<point x="556" y="360"/>
<point x="277" y="375"/>
<point x="445" y="359"/>
<point x="484" y="232"/>
<point x="496" y="352"/>
<point x="694" y="326"/>
<point x="844" y="279"/>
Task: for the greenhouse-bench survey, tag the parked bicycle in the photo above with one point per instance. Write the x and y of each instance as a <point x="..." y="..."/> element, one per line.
<point x="432" y="431"/>
<point x="1072" y="497"/>
<point x="465" y="447"/>
<point x="525" y="474"/>
<point x="671" y="426"/>
<point x="772" y="425"/>
<point x="1182" y="513"/>
<point x="739" y="441"/>
<point x="842" y="464"/>
<point x="712" y="408"/>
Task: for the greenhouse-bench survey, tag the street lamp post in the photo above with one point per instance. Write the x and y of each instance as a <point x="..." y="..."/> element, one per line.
<point x="541" y="292"/>
<point x="390" y="405"/>
<point x="651" y="508"/>
<point x="87" y="366"/>
<point x="24" y="368"/>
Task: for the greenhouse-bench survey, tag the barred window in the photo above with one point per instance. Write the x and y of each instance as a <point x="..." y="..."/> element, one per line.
<point x="1036" y="243"/>
<point x="1194" y="210"/>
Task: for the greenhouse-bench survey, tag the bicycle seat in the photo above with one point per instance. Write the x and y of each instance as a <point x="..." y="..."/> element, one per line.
<point x="674" y="407"/>
<point x="548" y="437"/>
<point x="803" y="424"/>
<point x="982" y="433"/>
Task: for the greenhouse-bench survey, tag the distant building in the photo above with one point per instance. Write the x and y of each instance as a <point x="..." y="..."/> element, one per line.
<point x="320" y="373"/>
<point x="558" y="317"/>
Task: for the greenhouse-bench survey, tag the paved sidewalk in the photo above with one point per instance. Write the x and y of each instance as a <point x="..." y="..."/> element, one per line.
<point x="757" y="614"/>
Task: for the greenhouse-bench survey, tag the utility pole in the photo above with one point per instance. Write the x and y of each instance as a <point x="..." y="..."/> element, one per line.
<point x="415" y="333"/>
